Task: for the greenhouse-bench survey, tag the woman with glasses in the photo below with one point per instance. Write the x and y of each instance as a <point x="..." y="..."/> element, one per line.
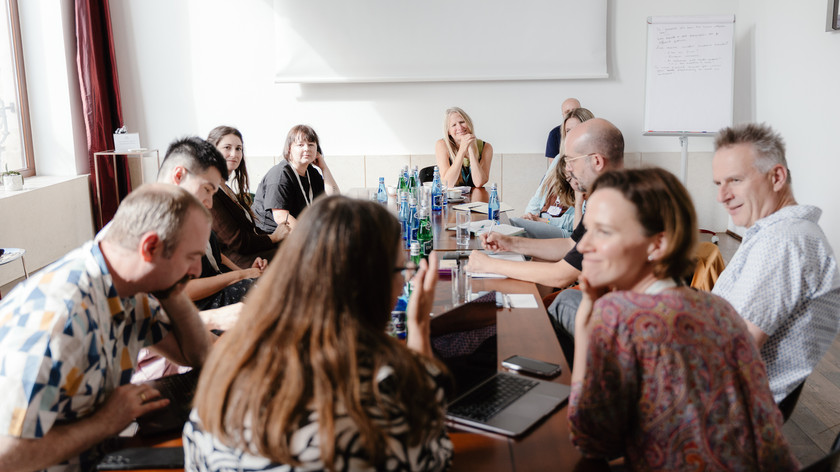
<point x="463" y="159"/>
<point x="664" y="375"/>
<point x="309" y="377"/>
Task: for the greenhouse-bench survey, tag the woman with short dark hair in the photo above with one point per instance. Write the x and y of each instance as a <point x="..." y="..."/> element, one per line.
<point x="292" y="185"/>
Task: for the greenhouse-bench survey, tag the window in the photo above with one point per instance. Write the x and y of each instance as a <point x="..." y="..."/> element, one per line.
<point x="15" y="134"/>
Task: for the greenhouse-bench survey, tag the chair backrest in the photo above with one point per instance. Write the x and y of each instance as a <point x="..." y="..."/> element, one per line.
<point x="427" y="174"/>
<point x="829" y="462"/>
<point x="787" y="404"/>
<point x="709" y="266"/>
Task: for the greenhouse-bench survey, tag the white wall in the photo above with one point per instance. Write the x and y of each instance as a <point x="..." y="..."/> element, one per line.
<point x="188" y="66"/>
<point x="205" y="62"/>
<point x="796" y="72"/>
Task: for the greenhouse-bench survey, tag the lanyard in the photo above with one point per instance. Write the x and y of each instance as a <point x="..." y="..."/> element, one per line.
<point x="300" y="184"/>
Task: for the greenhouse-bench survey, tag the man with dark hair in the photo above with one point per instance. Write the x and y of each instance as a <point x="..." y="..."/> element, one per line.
<point x="195" y="165"/>
<point x="69" y="335"/>
<point x="783" y="280"/>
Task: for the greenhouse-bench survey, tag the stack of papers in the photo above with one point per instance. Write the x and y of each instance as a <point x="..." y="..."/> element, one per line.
<point x="481" y="207"/>
<point x="504" y="256"/>
<point x="487" y="226"/>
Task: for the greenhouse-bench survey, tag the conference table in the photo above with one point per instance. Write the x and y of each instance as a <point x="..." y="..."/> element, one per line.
<point x="520" y="331"/>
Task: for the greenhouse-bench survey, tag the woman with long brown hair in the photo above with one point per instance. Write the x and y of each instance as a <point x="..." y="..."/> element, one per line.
<point x="309" y="377"/>
<point x="233" y="222"/>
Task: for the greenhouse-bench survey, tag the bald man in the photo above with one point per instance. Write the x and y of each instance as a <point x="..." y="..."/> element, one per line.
<point x="552" y="145"/>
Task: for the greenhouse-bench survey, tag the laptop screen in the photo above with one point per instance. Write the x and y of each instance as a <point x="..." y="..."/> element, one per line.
<point x="464" y="339"/>
<point x="468" y="367"/>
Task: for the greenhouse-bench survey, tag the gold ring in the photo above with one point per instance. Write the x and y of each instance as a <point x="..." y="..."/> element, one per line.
<point x="143" y="397"/>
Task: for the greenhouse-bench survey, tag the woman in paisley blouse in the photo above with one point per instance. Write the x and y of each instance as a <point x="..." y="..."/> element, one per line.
<point x="664" y="375"/>
<point x="309" y="378"/>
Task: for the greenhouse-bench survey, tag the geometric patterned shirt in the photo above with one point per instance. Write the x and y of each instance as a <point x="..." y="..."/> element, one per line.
<point x="784" y="279"/>
<point x="67" y="340"/>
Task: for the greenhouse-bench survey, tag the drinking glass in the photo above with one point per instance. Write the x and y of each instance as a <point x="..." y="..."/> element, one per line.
<point x="462" y="229"/>
<point x="461" y="285"/>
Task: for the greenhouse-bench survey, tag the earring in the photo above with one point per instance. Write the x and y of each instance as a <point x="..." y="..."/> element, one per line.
<point x="650" y="257"/>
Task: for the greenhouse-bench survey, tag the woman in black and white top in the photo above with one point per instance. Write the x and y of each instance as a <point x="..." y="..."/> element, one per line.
<point x="309" y="379"/>
<point x="291" y="186"/>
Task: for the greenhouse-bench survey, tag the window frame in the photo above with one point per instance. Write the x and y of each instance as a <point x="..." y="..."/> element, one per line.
<point x="20" y="88"/>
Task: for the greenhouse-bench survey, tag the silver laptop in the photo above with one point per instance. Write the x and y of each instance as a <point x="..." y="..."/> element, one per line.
<point x="501" y="402"/>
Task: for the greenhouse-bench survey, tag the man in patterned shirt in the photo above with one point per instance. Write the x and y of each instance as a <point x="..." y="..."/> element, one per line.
<point x="783" y="280"/>
<point x="70" y="335"/>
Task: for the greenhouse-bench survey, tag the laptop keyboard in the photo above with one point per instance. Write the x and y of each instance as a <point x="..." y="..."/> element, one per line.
<point x="492" y="397"/>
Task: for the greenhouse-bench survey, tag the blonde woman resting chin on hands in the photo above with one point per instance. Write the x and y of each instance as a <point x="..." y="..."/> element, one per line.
<point x="463" y="159"/>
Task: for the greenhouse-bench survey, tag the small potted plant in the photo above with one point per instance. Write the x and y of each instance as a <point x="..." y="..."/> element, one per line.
<point x="12" y="180"/>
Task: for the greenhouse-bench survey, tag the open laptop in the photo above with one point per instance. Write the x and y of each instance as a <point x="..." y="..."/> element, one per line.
<point x="501" y="402"/>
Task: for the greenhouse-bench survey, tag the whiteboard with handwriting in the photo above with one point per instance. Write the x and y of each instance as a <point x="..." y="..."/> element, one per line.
<point x="690" y="74"/>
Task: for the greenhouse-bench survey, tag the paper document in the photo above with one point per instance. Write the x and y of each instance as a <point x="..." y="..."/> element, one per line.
<point x="486" y="226"/>
<point x="467" y="206"/>
<point x="504" y="256"/>
<point x="482" y="207"/>
<point x="521" y="300"/>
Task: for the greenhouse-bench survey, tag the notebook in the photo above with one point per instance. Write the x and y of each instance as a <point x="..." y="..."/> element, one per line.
<point x="510" y="404"/>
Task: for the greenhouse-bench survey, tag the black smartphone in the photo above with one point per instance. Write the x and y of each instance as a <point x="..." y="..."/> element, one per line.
<point x="531" y="366"/>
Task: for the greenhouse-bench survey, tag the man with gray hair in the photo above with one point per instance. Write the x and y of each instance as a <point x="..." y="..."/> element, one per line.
<point x="69" y="336"/>
<point x="783" y="280"/>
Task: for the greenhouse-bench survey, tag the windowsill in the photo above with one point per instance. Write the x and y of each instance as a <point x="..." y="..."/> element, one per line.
<point x="37" y="182"/>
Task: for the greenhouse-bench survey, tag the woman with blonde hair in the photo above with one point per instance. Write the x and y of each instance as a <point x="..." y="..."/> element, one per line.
<point x="463" y="159"/>
<point x="667" y="376"/>
<point x="309" y="377"/>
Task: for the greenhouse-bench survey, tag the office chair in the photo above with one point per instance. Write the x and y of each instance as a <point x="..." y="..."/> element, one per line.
<point x="427" y="174"/>
<point x="829" y="462"/>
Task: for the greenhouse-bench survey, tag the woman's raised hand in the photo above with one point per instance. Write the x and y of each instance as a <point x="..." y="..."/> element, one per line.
<point x="420" y="305"/>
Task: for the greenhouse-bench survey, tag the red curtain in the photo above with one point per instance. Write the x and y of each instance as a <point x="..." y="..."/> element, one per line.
<point x="100" y="90"/>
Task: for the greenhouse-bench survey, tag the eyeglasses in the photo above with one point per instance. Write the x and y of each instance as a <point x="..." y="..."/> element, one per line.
<point x="568" y="160"/>
<point x="407" y="271"/>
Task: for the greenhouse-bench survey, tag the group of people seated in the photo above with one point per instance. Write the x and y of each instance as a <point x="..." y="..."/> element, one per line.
<point x="305" y="375"/>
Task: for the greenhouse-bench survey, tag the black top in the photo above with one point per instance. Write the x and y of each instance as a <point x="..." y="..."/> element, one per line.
<point x="552" y="145"/>
<point x="573" y="257"/>
<point x="207" y="269"/>
<point x="279" y="190"/>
